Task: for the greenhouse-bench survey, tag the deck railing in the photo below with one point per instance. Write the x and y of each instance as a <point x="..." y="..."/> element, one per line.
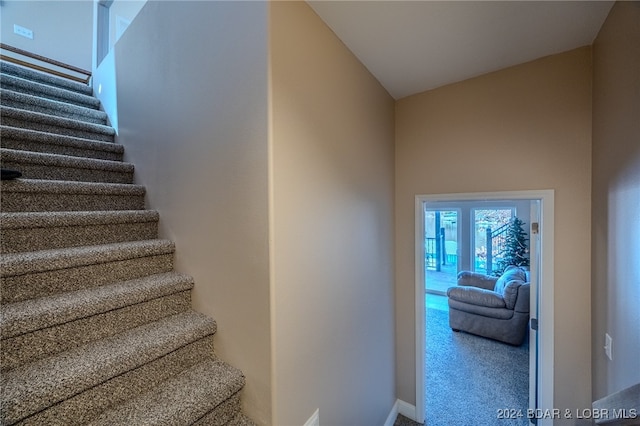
<point x="435" y="251"/>
<point x="496" y="244"/>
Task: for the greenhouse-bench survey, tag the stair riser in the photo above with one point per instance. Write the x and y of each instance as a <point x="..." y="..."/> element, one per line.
<point x="37" y="146"/>
<point x="50" y="80"/>
<point x="28" y="140"/>
<point x="57" y="110"/>
<point x="52" y="128"/>
<point x="87" y="405"/>
<point x="52" y="172"/>
<point x="50" y="92"/>
<point x="49" y="341"/>
<point x="46" y="202"/>
<point x="222" y="414"/>
<point x="32" y="239"/>
<point x="29" y="286"/>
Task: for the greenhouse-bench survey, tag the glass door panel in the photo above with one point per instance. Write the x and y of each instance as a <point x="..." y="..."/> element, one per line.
<point x="441" y="249"/>
<point x="485" y="223"/>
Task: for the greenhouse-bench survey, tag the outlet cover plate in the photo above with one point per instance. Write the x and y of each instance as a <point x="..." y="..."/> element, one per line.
<point x="22" y="31"/>
<point x="608" y="346"/>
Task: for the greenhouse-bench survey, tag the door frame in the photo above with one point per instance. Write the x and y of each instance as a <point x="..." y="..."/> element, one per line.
<point x="545" y="370"/>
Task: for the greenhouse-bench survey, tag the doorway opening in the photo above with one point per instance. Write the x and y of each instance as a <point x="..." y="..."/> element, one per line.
<point x="456" y="232"/>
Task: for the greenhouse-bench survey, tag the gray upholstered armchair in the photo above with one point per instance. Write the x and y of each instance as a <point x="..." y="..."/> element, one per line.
<point x="497" y="308"/>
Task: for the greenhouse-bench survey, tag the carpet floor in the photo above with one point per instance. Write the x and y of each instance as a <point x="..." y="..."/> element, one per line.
<point x="470" y="379"/>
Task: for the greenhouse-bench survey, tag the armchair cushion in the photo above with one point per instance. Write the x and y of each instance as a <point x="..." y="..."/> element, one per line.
<point x="468" y="278"/>
<point x="509" y="283"/>
<point x="476" y="296"/>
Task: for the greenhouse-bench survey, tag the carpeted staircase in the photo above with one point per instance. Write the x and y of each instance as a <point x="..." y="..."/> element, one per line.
<point x="96" y="327"/>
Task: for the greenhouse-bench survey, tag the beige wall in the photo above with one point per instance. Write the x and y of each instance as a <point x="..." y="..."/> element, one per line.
<point x="62" y="30"/>
<point x="332" y="201"/>
<point x="616" y="199"/>
<point x="193" y="116"/>
<point x="525" y="127"/>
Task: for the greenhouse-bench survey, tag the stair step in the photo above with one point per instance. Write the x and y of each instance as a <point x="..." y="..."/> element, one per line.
<point x="35" y="88"/>
<point x="24" y="195"/>
<point x="30" y="389"/>
<point x="32" y="140"/>
<point x="206" y="390"/>
<point x="44" y="78"/>
<point x="47" y="106"/>
<point x="37" y="165"/>
<point x="36" y="328"/>
<point x="33" y="231"/>
<point x="48" y="123"/>
<point x="43" y="273"/>
<point x="95" y="326"/>
<point x="216" y="418"/>
<point x="83" y="407"/>
<point x="241" y="420"/>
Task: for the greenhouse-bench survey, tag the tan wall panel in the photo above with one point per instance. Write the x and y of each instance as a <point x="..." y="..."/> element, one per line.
<point x="193" y="116"/>
<point x="525" y="127"/>
<point x="332" y="201"/>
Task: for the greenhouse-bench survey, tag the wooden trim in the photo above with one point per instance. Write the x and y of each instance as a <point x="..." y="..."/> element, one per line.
<point x="43" y="69"/>
<point x="45" y="60"/>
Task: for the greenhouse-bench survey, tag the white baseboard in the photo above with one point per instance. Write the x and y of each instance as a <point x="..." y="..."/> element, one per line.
<point x="314" y="420"/>
<point x="400" y="407"/>
<point x="407" y="409"/>
<point x="391" y="418"/>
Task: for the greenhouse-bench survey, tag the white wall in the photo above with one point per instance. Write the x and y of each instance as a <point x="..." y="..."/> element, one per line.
<point x="192" y="104"/>
<point x="616" y="200"/>
<point x="62" y="30"/>
<point x="332" y="229"/>
<point x="122" y="12"/>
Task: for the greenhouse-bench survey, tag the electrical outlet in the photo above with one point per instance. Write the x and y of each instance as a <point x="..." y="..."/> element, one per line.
<point x="608" y="346"/>
<point x="22" y="31"/>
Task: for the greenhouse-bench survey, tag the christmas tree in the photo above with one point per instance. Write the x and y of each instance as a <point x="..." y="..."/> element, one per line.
<point x="516" y="247"/>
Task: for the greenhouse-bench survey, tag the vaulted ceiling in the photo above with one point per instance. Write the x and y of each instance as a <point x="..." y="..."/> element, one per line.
<point x="413" y="46"/>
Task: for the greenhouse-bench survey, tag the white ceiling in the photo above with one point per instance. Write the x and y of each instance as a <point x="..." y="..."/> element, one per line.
<point x="413" y="46"/>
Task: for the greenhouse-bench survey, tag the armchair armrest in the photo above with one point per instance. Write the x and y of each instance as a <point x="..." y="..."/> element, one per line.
<point x="476" y="296"/>
<point x="467" y="278"/>
<point x="522" y="302"/>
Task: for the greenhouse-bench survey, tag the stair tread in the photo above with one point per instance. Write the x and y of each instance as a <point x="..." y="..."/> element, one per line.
<point x="67" y="161"/>
<point x="34" y="100"/>
<point x="13" y="264"/>
<point x="52" y="120"/>
<point x="30" y="315"/>
<point x="181" y="400"/>
<point x="21" y="220"/>
<point x="72" y="187"/>
<point x="8" y="68"/>
<point x="22" y="84"/>
<point x="34" y="387"/>
<point x="241" y="420"/>
<point x="52" y="138"/>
